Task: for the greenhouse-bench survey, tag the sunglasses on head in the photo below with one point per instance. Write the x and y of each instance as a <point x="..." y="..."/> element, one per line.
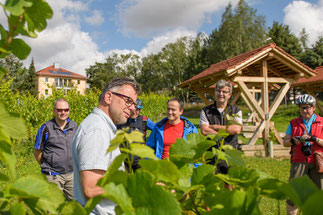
<point x="61" y="110"/>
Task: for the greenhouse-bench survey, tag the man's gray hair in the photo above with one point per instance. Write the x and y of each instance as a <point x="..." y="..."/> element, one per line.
<point x="223" y="83"/>
<point x="117" y="83"/>
<point x="59" y="100"/>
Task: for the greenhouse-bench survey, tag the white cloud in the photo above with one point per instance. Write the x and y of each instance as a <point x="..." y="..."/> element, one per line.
<point x="143" y="17"/>
<point x="302" y="14"/>
<point x="96" y="18"/>
<point x="157" y="43"/>
<point x="63" y="41"/>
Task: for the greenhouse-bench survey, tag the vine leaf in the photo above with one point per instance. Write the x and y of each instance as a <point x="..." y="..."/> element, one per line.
<point x="158" y="167"/>
<point x="140" y="150"/>
<point x="38" y="194"/>
<point x="313" y="204"/>
<point x="144" y="192"/>
<point x="11" y="124"/>
<point x="298" y="190"/>
<point x="17" y="209"/>
<point x="73" y="208"/>
<point x="17" y="7"/>
<point x="20" y="48"/>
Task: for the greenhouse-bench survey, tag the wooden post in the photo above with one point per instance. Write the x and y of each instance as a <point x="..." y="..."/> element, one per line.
<point x="265" y="104"/>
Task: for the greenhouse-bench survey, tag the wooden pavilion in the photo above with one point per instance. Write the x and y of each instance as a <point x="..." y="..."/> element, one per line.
<point x="312" y="85"/>
<point x="255" y="72"/>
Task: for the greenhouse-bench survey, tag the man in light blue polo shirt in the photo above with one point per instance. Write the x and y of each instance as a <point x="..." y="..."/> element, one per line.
<point x="93" y="137"/>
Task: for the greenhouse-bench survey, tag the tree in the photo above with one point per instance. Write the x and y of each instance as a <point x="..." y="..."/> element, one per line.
<point x="115" y="66"/>
<point x="30" y="80"/>
<point x="281" y="35"/>
<point x="318" y="47"/>
<point x="303" y="38"/>
<point x="175" y="63"/>
<point x="240" y="31"/>
<point x="313" y="57"/>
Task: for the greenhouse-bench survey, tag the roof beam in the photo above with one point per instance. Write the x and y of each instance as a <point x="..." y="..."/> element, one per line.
<point x="260" y="79"/>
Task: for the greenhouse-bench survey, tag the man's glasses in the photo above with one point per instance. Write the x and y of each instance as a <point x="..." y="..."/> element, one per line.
<point x="224" y="92"/>
<point x="61" y="110"/>
<point x="129" y="102"/>
<point x="305" y="108"/>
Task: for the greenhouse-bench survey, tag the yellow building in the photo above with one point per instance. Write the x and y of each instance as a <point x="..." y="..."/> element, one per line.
<point x="61" y="79"/>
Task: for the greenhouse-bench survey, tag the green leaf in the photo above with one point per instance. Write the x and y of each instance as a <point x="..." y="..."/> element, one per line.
<point x="186" y="174"/>
<point x="149" y="198"/>
<point x="222" y="133"/>
<point x="2" y="71"/>
<point x="299" y="190"/>
<point x="313" y="205"/>
<point x="140" y="150"/>
<point x="20" y="48"/>
<point x="38" y="194"/>
<point x="252" y="201"/>
<point x="11" y="124"/>
<point x="17" y="7"/>
<point x="8" y="156"/>
<point x="115" y="193"/>
<point x="37" y="14"/>
<point x="181" y="152"/>
<point x="119" y="139"/>
<point x="201" y="172"/>
<point x="73" y="208"/>
<point x="116" y="163"/>
<point x="271" y="188"/>
<point x="240" y="175"/>
<point x="234" y="157"/>
<point x="17" y="209"/>
<point x="3" y="177"/>
<point x="227" y="202"/>
<point x="158" y="167"/>
<point x="134" y="137"/>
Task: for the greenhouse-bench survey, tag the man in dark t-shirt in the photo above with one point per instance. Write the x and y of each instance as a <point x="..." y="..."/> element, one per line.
<point x="213" y="119"/>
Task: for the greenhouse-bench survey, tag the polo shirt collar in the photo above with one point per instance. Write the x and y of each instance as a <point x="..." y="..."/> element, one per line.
<point x="106" y="118"/>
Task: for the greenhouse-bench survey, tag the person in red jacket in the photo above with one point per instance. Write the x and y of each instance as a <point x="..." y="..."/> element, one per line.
<point x="305" y="136"/>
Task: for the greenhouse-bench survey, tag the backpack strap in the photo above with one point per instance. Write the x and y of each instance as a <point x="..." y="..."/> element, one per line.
<point x="144" y="124"/>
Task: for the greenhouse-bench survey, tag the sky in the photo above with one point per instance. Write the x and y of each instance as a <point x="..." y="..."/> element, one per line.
<point x="83" y="32"/>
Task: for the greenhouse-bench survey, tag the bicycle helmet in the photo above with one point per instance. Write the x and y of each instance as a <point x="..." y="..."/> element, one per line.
<point x="306" y="99"/>
<point x="139" y="104"/>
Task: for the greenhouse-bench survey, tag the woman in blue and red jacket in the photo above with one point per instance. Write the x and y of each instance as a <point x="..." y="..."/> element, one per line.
<point x="305" y="136"/>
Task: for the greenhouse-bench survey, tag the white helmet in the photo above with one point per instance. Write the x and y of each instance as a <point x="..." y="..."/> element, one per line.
<point x="306" y="99"/>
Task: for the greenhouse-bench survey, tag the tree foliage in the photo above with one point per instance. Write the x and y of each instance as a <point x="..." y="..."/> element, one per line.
<point x="114" y="66"/>
<point x="241" y="30"/>
<point x="282" y="36"/>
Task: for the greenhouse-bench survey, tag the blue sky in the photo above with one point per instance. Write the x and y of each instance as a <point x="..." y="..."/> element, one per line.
<point x="83" y="32"/>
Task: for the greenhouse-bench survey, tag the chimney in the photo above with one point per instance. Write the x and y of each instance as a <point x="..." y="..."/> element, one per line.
<point x="56" y="65"/>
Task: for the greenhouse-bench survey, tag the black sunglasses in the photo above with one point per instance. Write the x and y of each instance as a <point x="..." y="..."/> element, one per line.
<point x="61" y="110"/>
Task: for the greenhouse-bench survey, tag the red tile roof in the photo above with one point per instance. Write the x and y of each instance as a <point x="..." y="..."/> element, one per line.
<point x="237" y="60"/>
<point x="318" y="78"/>
<point x="53" y="72"/>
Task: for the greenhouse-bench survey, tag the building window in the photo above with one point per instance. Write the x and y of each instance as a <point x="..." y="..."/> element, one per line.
<point x="78" y="81"/>
<point x="46" y="92"/>
<point x="46" y="79"/>
<point x="60" y="82"/>
<point x="56" y="82"/>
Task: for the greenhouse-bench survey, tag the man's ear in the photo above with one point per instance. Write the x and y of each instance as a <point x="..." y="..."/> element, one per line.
<point x="108" y="97"/>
